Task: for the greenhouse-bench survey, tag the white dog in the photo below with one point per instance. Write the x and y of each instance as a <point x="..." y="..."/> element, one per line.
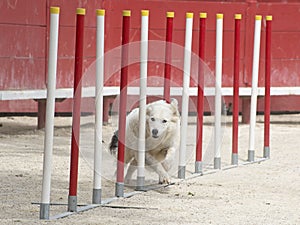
<point x="162" y="138"/>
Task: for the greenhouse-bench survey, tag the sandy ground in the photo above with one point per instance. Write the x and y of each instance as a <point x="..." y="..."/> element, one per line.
<point x="262" y="193"/>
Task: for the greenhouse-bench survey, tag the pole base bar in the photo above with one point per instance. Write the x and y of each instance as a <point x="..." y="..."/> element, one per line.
<point x="181" y="172"/>
<point x="198" y="167"/>
<point x="267" y="152"/>
<point x="217" y="163"/>
<point x="119" y="189"/>
<point x="97" y="196"/>
<point x="72" y="203"/>
<point x="44" y="211"/>
<point x="140" y="184"/>
<point x="234" y="159"/>
<point x="250" y="155"/>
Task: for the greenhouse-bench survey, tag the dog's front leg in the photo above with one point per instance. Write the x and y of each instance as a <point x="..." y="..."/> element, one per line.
<point x="158" y="168"/>
<point x="131" y="169"/>
<point x="167" y="163"/>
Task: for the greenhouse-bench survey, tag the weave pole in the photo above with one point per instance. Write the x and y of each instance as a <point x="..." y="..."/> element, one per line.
<point x="254" y="90"/>
<point x="267" y="87"/>
<point x="97" y="183"/>
<point x="218" y="93"/>
<point x="185" y="94"/>
<point x="119" y="190"/>
<point x="72" y="198"/>
<point x="143" y="102"/>
<point x="50" y="110"/>
<point x="200" y="99"/>
<point x="236" y="73"/>
<point x="168" y="56"/>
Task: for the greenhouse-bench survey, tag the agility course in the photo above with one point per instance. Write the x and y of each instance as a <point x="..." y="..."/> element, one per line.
<point x="217" y="92"/>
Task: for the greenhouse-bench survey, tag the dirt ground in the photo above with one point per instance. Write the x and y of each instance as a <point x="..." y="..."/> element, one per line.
<point x="261" y="193"/>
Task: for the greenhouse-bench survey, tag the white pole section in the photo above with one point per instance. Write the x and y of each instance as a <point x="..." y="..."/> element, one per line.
<point x="254" y="90"/>
<point x="99" y="106"/>
<point x="50" y="109"/>
<point x="185" y="94"/>
<point x="143" y="98"/>
<point x="218" y="92"/>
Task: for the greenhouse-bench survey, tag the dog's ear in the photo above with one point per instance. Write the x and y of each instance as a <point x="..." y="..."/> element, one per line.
<point x="174" y="105"/>
<point x="148" y="110"/>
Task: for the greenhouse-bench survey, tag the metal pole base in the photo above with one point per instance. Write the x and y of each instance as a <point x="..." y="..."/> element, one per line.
<point x="198" y="167"/>
<point x="267" y="152"/>
<point x="217" y="163"/>
<point x="97" y="196"/>
<point x="119" y="189"/>
<point x="72" y="203"/>
<point x="44" y="211"/>
<point x="251" y="155"/>
<point x="234" y="159"/>
<point x="140" y="184"/>
<point x="181" y="172"/>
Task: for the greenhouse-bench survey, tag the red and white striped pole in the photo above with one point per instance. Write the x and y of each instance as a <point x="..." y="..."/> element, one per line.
<point x="119" y="191"/>
<point x="235" y="113"/>
<point x="200" y="99"/>
<point x="168" y="56"/>
<point x="72" y="198"/>
<point x="267" y="87"/>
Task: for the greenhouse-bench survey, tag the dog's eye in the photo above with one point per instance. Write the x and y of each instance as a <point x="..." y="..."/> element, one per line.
<point x="164" y="121"/>
<point x="152" y="119"/>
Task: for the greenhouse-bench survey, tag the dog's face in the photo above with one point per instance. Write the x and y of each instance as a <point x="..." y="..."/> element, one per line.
<point x="160" y="115"/>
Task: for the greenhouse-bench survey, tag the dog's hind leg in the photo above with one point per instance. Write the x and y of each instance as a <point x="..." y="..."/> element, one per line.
<point x="158" y="168"/>
<point x="131" y="169"/>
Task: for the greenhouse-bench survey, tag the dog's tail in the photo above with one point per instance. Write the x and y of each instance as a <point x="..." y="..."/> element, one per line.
<point x="113" y="146"/>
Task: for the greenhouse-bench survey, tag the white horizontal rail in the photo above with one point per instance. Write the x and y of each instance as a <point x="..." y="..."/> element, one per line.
<point x="115" y="90"/>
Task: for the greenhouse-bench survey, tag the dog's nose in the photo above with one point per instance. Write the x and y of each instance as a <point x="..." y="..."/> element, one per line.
<point x="154" y="132"/>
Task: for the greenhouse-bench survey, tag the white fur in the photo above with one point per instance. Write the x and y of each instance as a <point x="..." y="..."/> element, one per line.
<point x="162" y="138"/>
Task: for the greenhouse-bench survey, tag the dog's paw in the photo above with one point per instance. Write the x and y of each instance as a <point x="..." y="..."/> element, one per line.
<point x="164" y="180"/>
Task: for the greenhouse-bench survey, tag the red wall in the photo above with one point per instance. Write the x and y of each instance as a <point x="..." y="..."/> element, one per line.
<point x="24" y="27"/>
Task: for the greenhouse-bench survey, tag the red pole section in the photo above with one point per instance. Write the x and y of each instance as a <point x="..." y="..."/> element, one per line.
<point x="72" y="201"/>
<point x="267" y="88"/>
<point x="123" y="103"/>
<point x="235" y="113"/>
<point x="200" y="99"/>
<point x="168" y="56"/>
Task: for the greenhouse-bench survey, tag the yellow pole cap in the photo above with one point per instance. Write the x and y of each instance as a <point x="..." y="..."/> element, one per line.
<point x="219" y="16"/>
<point x="100" y="12"/>
<point x="269" y="18"/>
<point x="258" y="17"/>
<point x="238" y="16"/>
<point x="189" y="15"/>
<point x="203" y="15"/>
<point x="54" y="10"/>
<point x="80" y="11"/>
<point x="145" y="12"/>
<point x="126" y="13"/>
<point x="170" y="14"/>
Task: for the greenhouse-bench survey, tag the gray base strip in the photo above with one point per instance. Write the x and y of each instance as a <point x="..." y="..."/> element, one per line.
<point x="266" y="152"/>
<point x="234" y="159"/>
<point x="250" y="155"/>
<point x="140" y="184"/>
<point x="97" y="196"/>
<point x="44" y="211"/>
<point x="217" y="163"/>
<point x="72" y="203"/>
<point x="198" y="167"/>
<point x="181" y="172"/>
<point x="119" y="189"/>
<point x="106" y="201"/>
